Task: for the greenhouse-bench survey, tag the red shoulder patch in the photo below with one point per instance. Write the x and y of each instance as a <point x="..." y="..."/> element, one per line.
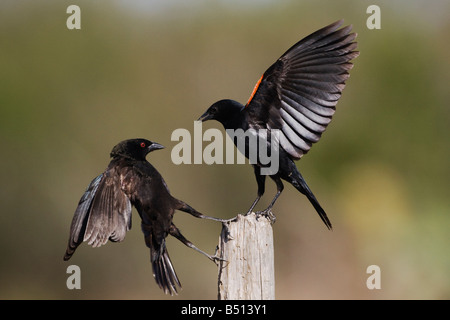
<point x="254" y="90"/>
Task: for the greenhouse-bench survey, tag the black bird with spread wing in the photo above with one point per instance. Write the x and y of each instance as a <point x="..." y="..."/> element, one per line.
<point x="104" y="211"/>
<point x="297" y="96"/>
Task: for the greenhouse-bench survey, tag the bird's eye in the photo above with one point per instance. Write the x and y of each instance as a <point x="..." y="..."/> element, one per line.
<point x="142" y="144"/>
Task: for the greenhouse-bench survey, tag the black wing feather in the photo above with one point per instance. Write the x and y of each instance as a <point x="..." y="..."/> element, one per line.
<point x="304" y="86"/>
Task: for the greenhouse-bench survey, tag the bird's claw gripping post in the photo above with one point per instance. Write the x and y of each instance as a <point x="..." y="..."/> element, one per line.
<point x="215" y="258"/>
<point x="268" y="214"/>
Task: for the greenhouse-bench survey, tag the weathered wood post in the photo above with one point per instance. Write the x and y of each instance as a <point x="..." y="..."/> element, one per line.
<point x="247" y="272"/>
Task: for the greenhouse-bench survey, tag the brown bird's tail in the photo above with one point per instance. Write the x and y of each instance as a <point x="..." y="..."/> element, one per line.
<point x="163" y="271"/>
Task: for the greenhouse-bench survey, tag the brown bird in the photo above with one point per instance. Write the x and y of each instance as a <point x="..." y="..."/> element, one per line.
<point x="104" y="211"/>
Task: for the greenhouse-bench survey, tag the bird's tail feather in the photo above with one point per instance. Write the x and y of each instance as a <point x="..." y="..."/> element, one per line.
<point x="300" y="184"/>
<point x="163" y="271"/>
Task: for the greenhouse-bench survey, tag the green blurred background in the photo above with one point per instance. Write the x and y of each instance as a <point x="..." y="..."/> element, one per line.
<point x="145" y="68"/>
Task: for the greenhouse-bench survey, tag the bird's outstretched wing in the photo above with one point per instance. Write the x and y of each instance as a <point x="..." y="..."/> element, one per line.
<point x="299" y="92"/>
<point x="103" y="213"/>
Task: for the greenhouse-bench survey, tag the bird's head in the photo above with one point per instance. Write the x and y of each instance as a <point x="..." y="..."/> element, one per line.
<point x="136" y="149"/>
<point x="223" y="111"/>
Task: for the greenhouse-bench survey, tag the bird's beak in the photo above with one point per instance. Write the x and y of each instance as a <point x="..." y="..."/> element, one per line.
<point x="155" y="146"/>
<point x="206" y="116"/>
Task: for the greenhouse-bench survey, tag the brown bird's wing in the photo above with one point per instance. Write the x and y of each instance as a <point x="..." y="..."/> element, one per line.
<point x="299" y="92"/>
<point x="103" y="213"/>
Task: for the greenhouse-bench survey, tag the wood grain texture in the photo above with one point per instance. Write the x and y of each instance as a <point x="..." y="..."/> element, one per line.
<point x="246" y="245"/>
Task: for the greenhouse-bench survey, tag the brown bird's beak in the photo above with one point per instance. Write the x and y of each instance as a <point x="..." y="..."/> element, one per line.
<point x="155" y="146"/>
<point x="204" y="117"/>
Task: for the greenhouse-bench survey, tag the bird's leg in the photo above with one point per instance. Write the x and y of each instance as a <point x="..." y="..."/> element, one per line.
<point x="175" y="232"/>
<point x="254" y="204"/>
<point x="268" y="211"/>
<point x="260" y="180"/>
<point x="188" y="209"/>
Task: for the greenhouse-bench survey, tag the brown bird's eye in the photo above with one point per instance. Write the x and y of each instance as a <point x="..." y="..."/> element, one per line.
<point x="142" y="144"/>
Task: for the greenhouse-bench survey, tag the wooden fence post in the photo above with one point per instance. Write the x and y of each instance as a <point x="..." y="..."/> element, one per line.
<point x="246" y="245"/>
